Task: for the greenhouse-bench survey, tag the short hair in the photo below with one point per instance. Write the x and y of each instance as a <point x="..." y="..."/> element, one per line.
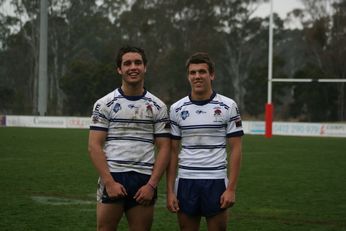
<point x="127" y="49"/>
<point x="201" y="57"/>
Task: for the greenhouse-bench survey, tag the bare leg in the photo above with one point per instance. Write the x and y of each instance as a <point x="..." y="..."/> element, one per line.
<point x="140" y="218"/>
<point x="218" y="222"/>
<point x="108" y="216"/>
<point x="188" y="223"/>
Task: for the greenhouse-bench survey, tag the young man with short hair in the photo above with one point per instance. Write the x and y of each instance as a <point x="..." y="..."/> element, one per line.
<point x="126" y="126"/>
<point x="202" y="124"/>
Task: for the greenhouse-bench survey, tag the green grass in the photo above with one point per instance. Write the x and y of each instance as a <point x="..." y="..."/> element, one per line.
<point x="47" y="182"/>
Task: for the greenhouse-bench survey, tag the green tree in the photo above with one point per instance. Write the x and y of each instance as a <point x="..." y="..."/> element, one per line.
<point x="324" y="33"/>
<point x="85" y="82"/>
<point x="258" y="82"/>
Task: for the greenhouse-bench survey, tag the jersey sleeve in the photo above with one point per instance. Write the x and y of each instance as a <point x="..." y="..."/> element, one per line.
<point x="234" y="124"/>
<point x="175" y="130"/>
<point x="162" y="124"/>
<point x="99" y="118"/>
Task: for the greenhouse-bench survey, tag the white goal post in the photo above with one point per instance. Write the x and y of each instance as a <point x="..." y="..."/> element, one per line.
<point x="269" y="105"/>
<point x="311" y="80"/>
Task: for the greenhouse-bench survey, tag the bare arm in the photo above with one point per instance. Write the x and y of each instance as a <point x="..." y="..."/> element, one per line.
<point x="228" y="197"/>
<point x="162" y="159"/>
<point x="172" y="202"/>
<point x="145" y="193"/>
<point x="98" y="158"/>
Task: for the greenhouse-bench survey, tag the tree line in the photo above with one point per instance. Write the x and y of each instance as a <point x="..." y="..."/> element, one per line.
<point x="84" y="36"/>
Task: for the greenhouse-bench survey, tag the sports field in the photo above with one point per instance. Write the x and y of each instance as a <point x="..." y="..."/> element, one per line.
<point x="47" y="182"/>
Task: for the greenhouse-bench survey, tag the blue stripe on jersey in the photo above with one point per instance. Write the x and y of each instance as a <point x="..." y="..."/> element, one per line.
<point x="203" y="146"/>
<point x="95" y="113"/>
<point x="162" y="120"/>
<point x="155" y="104"/>
<point x="132" y="121"/>
<point x="174" y="123"/>
<point x="235" y="134"/>
<point x="111" y="102"/>
<point x="219" y="103"/>
<point x="132" y="163"/>
<point x="203" y="168"/>
<point x="162" y="135"/>
<point x="130" y="138"/>
<point x="175" y="137"/>
<point x="185" y="104"/>
<point x="234" y="118"/>
<point x="98" y="128"/>
<point x="202" y="126"/>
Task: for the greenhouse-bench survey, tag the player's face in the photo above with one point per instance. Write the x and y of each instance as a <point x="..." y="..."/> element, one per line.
<point x="200" y="78"/>
<point x="132" y="68"/>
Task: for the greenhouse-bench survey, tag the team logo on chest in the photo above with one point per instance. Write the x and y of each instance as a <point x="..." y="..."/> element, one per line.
<point x="117" y="107"/>
<point x="149" y="110"/>
<point x="217" y="114"/>
<point x="184" y="114"/>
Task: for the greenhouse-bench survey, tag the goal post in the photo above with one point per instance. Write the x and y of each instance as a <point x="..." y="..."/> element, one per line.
<point x="269" y="106"/>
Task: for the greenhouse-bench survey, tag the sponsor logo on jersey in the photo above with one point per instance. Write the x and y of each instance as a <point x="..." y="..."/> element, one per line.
<point x="200" y="112"/>
<point x="132" y="106"/>
<point x="184" y="114"/>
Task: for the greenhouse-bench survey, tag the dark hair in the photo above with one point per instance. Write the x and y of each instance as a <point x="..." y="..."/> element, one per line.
<point x="127" y="49"/>
<point x="201" y="57"/>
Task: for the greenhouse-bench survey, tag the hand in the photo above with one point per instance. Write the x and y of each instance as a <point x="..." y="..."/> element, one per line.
<point x="227" y="199"/>
<point x="115" y="189"/>
<point x="172" y="203"/>
<point x="144" y="195"/>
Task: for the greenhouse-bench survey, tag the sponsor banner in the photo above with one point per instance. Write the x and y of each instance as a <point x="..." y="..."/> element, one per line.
<point x="250" y="127"/>
<point x="333" y="130"/>
<point x="78" y="122"/>
<point x="47" y="121"/>
<point x="309" y="129"/>
<point x="297" y="129"/>
<point x="36" y="121"/>
<point x="253" y="127"/>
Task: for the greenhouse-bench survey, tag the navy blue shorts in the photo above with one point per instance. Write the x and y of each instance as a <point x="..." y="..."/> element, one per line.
<point x="200" y="197"/>
<point x="132" y="181"/>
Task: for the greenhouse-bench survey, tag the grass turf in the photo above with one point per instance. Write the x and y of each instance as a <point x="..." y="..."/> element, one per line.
<point x="287" y="183"/>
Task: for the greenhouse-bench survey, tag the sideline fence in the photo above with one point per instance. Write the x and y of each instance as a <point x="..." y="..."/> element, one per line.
<point x="250" y="127"/>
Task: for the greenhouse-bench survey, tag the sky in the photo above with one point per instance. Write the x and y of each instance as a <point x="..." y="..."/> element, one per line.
<point x="281" y="7"/>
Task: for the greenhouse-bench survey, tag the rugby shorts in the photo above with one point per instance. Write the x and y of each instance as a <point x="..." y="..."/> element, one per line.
<point x="200" y="197"/>
<point x="132" y="181"/>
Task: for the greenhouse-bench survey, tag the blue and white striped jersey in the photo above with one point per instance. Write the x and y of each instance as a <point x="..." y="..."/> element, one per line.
<point x="132" y="124"/>
<point x="203" y="127"/>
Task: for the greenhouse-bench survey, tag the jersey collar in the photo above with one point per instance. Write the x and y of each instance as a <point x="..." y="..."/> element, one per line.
<point x="203" y="102"/>
<point x="132" y="98"/>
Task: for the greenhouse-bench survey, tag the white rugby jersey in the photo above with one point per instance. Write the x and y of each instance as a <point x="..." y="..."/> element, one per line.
<point x="203" y="127"/>
<point x="132" y="124"/>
